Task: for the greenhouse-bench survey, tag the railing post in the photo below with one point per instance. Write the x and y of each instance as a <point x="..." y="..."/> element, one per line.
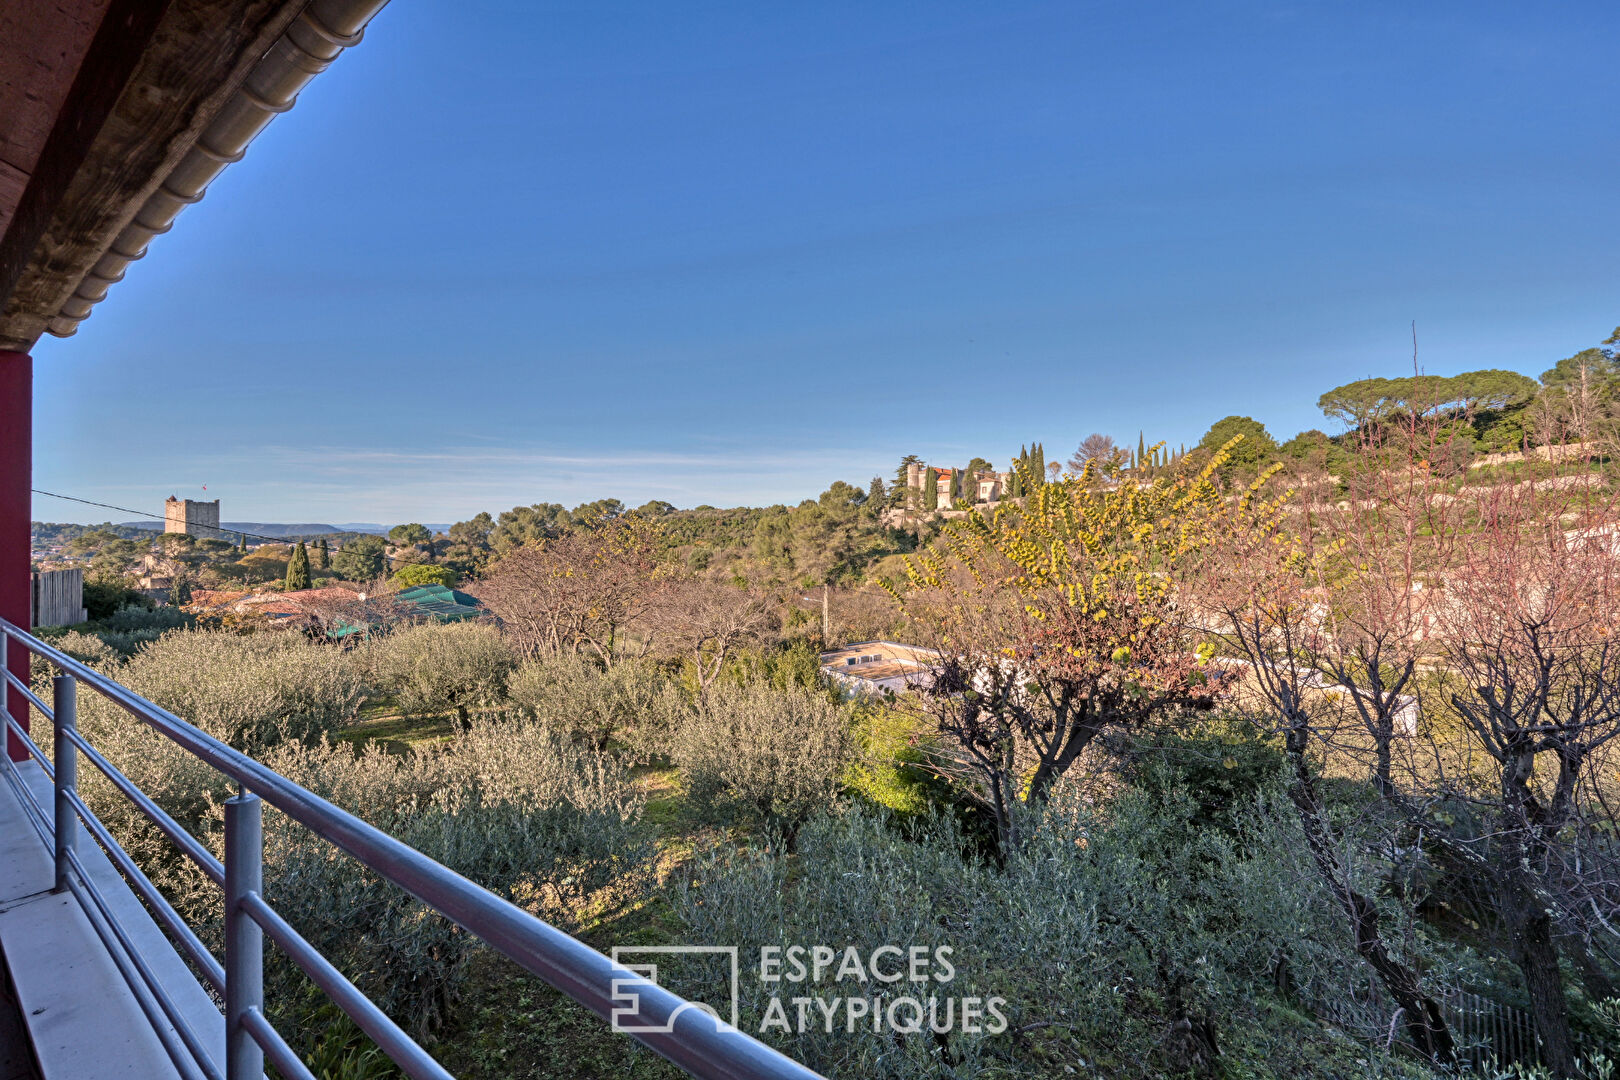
<point x="244" y="940"/>
<point x="5" y="697"/>
<point x="65" y="707"/>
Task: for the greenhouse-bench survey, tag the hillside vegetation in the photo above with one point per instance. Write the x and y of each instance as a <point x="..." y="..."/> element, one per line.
<point x="1238" y="760"/>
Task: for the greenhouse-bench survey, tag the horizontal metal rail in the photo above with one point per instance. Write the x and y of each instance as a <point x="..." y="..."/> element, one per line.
<point x="147" y="992"/>
<point x="189" y="943"/>
<point x="664" y="1022"/>
<point x="33" y="748"/>
<point x="275" y="1047"/>
<point x="171" y="828"/>
<point x="28" y="693"/>
<point x="372" y="1020"/>
<point x="31" y="808"/>
<point x="189" y="1056"/>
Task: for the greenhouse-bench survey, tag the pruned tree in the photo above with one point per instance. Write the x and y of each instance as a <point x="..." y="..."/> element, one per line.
<point x="1458" y="645"/>
<point x="361" y="559"/>
<point x="1247" y="455"/>
<point x="412" y="533"/>
<point x="1261" y="596"/>
<point x="581" y="590"/>
<point x="1529" y="633"/>
<point x="707" y="620"/>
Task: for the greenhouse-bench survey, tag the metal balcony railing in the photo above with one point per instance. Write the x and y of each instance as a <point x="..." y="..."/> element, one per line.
<point x="681" y="1031"/>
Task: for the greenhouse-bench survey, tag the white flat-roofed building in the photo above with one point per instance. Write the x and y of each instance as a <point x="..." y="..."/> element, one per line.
<point x="872" y="667"/>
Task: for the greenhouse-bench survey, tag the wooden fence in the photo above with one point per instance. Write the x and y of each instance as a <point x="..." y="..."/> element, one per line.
<point x="1488" y="1032"/>
<point x="58" y="597"/>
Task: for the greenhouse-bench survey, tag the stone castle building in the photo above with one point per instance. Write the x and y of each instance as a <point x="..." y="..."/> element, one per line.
<point x="200" y="519"/>
<point x="989" y="486"/>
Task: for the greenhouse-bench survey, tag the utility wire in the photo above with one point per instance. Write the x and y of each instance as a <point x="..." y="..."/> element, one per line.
<point x="160" y="517"/>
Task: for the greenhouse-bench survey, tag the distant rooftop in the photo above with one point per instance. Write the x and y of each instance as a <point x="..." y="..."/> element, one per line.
<point x="875" y="666"/>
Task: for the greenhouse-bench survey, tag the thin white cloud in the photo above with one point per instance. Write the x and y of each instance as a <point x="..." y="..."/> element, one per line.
<point x="348" y="483"/>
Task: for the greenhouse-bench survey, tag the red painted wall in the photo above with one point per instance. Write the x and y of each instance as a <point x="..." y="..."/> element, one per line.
<point x="16" y="478"/>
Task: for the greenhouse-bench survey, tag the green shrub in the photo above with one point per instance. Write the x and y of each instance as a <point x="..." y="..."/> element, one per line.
<point x="755" y="754"/>
<point x="129" y="642"/>
<point x="795" y="663"/>
<point x="892" y="769"/>
<point x="90" y="649"/>
<point x="1111" y="931"/>
<point x="438" y="666"/>
<point x="251" y="691"/>
<point x="135" y="619"/>
<point x="1222" y="767"/>
<point x="424" y="574"/>
<point x="103" y="598"/>
<point x="511" y="806"/>
<point x="629" y="702"/>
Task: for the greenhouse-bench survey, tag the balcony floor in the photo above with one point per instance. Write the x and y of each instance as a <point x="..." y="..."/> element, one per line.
<point x="82" y="1018"/>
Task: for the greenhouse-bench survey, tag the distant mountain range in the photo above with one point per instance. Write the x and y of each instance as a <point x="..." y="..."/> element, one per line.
<point x="266" y="528"/>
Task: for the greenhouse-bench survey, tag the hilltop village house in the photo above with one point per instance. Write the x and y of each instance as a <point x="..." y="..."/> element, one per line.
<point x="989" y="486"/>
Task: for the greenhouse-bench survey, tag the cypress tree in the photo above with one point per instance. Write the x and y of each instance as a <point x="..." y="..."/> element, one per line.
<point x="241" y="543"/>
<point x="298" y="568"/>
<point x="180" y="591"/>
<point x="1141" y="447"/>
<point x="323" y="555"/>
<point x="931" y="489"/>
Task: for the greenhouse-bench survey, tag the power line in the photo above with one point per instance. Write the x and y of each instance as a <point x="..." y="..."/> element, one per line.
<point x="160" y="517"/>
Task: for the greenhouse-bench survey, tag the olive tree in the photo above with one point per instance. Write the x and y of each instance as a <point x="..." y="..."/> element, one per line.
<point x="753" y="753"/>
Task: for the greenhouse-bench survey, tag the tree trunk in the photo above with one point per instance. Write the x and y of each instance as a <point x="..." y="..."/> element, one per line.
<point x="1425" y="1024"/>
<point x="1536" y="954"/>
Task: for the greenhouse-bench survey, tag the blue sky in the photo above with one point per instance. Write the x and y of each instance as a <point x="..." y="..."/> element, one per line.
<point x="508" y="253"/>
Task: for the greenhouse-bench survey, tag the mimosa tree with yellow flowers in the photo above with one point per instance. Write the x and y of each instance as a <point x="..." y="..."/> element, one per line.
<point x="1060" y="619"/>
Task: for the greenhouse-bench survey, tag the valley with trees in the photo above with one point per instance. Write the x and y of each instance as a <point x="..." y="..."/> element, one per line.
<point x="1243" y="758"/>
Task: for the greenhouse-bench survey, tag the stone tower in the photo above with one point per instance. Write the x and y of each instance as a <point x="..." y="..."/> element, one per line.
<point x="200" y="519"/>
